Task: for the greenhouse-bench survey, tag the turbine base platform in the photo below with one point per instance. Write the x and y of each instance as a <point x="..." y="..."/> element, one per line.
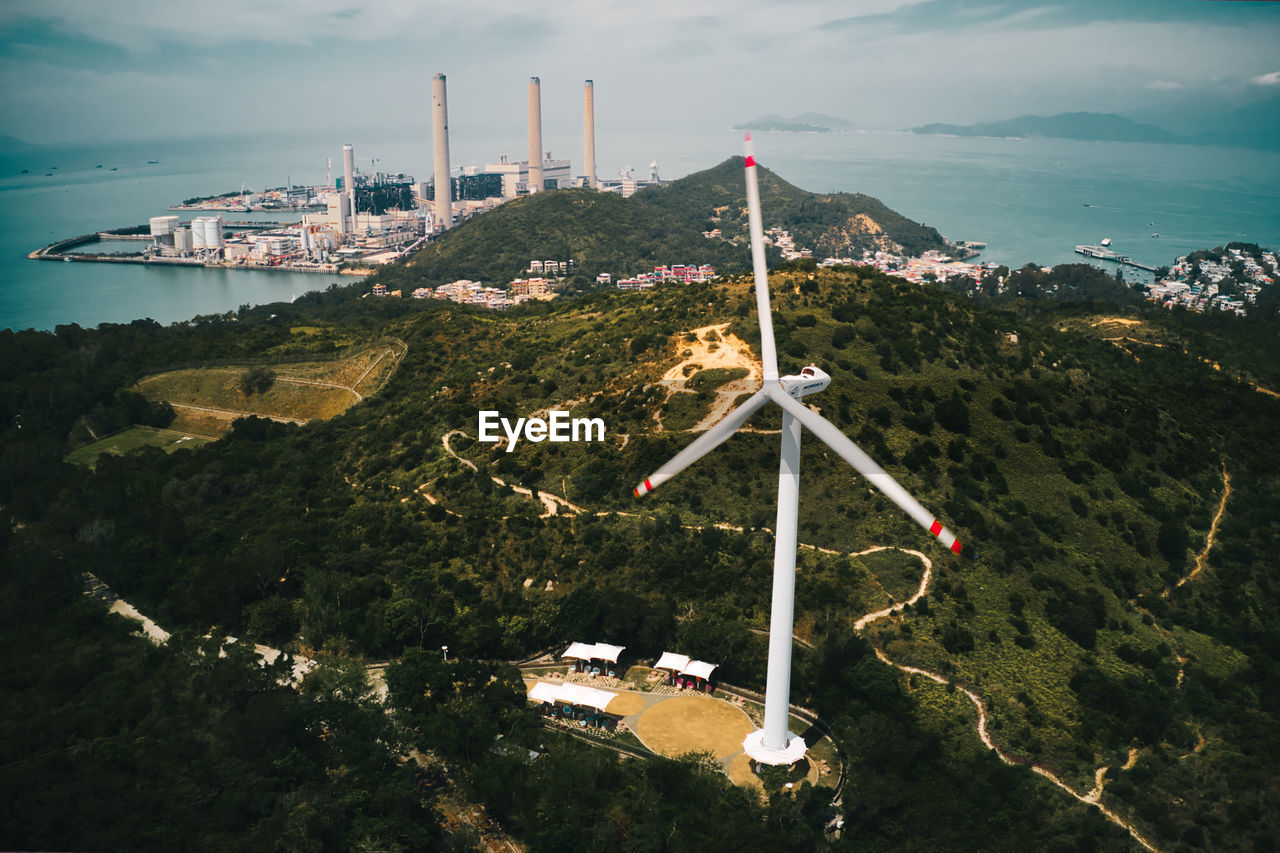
<point x="753" y="746"/>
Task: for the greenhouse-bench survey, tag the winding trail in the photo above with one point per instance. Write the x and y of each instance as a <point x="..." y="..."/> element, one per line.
<point x="444" y="439"/>
<point x="296" y="380"/>
<point x="901" y="605"/>
<point x="551" y="502"/>
<point x="1090" y="798"/>
<point x="159" y="636"/>
<point x="237" y="413"/>
<point x="1202" y="559"/>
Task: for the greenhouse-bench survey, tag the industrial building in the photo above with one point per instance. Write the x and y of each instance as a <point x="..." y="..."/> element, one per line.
<point x="555" y="174"/>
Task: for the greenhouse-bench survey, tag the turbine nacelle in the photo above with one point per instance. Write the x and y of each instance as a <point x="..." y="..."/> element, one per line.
<point x="811" y="380"/>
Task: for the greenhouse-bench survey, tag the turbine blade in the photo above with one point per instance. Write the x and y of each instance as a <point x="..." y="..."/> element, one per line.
<point x="768" y="354"/>
<point x="703" y="444"/>
<point x="866" y="466"/>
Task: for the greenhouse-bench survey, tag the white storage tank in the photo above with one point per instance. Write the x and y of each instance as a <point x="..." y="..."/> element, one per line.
<point x="182" y="239"/>
<point x="206" y="232"/>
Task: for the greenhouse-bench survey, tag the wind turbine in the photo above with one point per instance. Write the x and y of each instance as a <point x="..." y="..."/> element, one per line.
<point x="774" y="744"/>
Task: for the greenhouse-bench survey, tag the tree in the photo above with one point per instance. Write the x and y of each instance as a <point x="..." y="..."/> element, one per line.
<point x="257" y="380"/>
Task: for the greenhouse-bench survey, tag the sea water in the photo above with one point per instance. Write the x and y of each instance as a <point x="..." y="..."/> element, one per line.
<point x="1031" y="201"/>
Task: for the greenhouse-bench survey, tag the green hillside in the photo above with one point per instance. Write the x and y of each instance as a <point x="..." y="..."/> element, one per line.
<point x="1087" y="481"/>
<point x="601" y="232"/>
<point x="832" y="224"/>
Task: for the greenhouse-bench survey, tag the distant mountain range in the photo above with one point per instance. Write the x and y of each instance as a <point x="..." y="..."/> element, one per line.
<point x="1255" y="125"/>
<point x="803" y="123"/>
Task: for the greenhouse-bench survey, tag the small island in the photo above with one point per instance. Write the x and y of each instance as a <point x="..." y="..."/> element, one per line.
<point x="803" y="123"/>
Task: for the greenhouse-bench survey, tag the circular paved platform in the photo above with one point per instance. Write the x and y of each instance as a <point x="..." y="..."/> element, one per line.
<point x="693" y="723"/>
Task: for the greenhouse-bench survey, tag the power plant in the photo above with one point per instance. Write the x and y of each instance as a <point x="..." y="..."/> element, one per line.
<point x="375" y="217"/>
<point x="349" y="177"/>
<point x="535" y="135"/>
<point x="440" y="124"/>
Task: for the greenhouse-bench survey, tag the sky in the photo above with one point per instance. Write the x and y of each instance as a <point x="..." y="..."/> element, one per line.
<point x="82" y="70"/>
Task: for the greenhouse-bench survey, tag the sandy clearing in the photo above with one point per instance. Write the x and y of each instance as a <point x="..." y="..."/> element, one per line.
<point x="683" y="724"/>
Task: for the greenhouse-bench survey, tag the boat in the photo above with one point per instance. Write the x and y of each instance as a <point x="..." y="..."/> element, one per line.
<point x="1105" y="241"/>
<point x="99" y="166"/>
<point x="115" y="169"/>
<point x="1157" y="234"/>
<point x="152" y="162"/>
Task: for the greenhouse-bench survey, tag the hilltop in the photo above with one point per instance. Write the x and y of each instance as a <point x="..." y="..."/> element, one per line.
<point x="832" y="224"/>
<point x="603" y="232"/>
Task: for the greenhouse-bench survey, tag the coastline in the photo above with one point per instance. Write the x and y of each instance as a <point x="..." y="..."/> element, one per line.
<point x="60" y="250"/>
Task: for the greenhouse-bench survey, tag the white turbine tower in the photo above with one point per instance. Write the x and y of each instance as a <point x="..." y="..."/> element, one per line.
<point x="774" y="744"/>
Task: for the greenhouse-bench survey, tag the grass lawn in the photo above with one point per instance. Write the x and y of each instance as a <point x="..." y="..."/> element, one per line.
<point x="131" y="439"/>
<point x="302" y="390"/>
<point x="693" y="723"/>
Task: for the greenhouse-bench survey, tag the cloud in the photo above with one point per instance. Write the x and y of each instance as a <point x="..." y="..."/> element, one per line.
<point x="1272" y="79"/>
<point x="679" y="65"/>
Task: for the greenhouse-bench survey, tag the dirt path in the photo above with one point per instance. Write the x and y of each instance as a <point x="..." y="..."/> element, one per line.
<point x="897" y="608"/>
<point x="294" y="380"/>
<point x="1091" y="798"/>
<point x="551" y="502"/>
<point x="159" y="636"/>
<point x="1202" y="559"/>
<point x="444" y="439"/>
<point x="237" y="413"/>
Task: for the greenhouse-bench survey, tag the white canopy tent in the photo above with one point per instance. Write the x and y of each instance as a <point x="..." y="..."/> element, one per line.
<point x="594" y="651"/>
<point x="579" y="651"/>
<point x="571" y="694"/>
<point x="699" y="669"/>
<point x="672" y="661"/>
<point x="682" y="665"/>
<point x="543" y="691"/>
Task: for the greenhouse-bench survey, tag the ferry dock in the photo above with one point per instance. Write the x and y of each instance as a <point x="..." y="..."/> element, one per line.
<point x="1102" y="253"/>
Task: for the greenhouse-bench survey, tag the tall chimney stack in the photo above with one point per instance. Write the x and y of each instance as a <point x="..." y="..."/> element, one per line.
<point x="440" y="124"/>
<point x="349" y="176"/>
<point x="535" y="135"/>
<point x="589" y="133"/>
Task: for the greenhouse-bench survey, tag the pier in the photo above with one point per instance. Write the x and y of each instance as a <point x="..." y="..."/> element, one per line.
<point x="1102" y="253"/>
